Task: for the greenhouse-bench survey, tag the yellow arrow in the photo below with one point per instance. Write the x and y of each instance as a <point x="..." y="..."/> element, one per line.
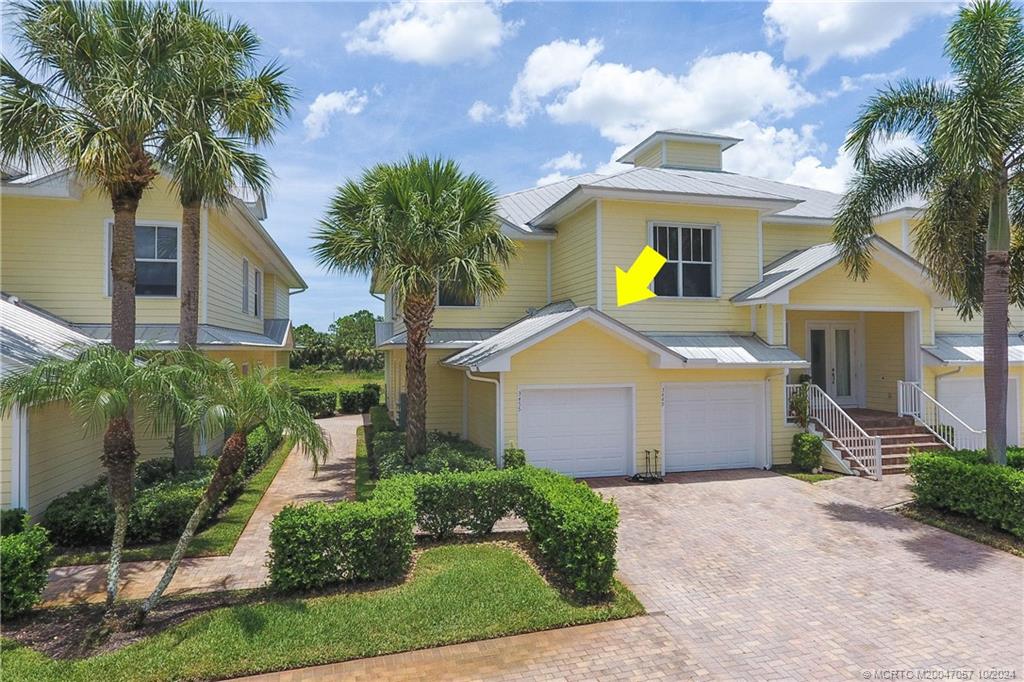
<point x="632" y="286"/>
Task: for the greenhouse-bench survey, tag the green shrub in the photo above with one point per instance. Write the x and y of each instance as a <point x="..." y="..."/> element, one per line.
<point x="370" y="396"/>
<point x="574" y="529"/>
<point x="12" y="521"/>
<point x="444" y="453"/>
<point x="350" y="400"/>
<point x="317" y="402"/>
<point x="990" y="493"/>
<point x="24" y="560"/>
<point x="441" y="503"/>
<point x="514" y="458"/>
<point x="380" y="420"/>
<point x="161" y="511"/>
<point x="152" y="471"/>
<point x="82" y="517"/>
<point x="492" y="496"/>
<point x="1015" y="457"/>
<point x="260" y="444"/>
<point x="806" y="451"/>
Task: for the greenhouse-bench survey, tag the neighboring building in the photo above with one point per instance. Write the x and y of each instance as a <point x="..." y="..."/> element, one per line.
<point x="55" y="277"/>
<point x="752" y="296"/>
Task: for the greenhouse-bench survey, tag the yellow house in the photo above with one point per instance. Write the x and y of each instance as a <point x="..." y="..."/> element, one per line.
<point x="751" y="298"/>
<point x="55" y="278"/>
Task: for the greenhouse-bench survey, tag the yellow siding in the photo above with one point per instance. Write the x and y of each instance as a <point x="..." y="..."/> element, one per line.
<point x="267" y="358"/>
<point x="225" y="254"/>
<point x="781" y="239"/>
<point x="275" y="297"/>
<point x="5" y="463"/>
<point x="574" y="258"/>
<point x="480" y="397"/>
<point x="892" y="232"/>
<point x="650" y="157"/>
<point x="884" y="361"/>
<point x="526" y="287"/>
<point x="282" y="300"/>
<point x="582" y="354"/>
<point x="444" y="390"/>
<point x="948" y="322"/>
<point x="625" y="233"/>
<point x="693" y="155"/>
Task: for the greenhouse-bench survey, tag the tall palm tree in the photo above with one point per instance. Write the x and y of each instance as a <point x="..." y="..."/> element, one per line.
<point x="104" y="387"/>
<point x="968" y="166"/>
<point x="239" y="404"/>
<point x="225" y="107"/>
<point x="410" y="226"/>
<point x="94" y="101"/>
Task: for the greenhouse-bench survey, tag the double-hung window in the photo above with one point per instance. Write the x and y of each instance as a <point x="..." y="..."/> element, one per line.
<point x="689" y="271"/>
<point x="156" y="260"/>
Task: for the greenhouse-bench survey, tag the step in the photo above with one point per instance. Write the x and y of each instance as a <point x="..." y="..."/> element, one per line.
<point x="883" y="422"/>
<point x="896" y="430"/>
<point x="909" y="438"/>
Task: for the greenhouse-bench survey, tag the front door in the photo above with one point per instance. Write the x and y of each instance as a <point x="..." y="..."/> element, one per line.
<point x="833" y="357"/>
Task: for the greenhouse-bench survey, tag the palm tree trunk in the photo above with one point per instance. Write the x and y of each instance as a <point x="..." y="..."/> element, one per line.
<point x="231" y="458"/>
<point x="418" y="313"/>
<point x="996" y="313"/>
<point x="122" y="270"/>
<point x="119" y="457"/>
<point x="188" y="324"/>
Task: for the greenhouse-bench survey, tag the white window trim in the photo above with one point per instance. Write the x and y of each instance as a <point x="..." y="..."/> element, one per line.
<point x="257" y="281"/>
<point x="716" y="257"/>
<point x="108" y="276"/>
<point x="245" y="285"/>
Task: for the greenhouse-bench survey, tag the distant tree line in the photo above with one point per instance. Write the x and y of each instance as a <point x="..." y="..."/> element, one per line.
<point x="347" y="344"/>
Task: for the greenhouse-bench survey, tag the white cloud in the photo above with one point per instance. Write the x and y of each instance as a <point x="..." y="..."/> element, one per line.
<point x="432" y="33"/>
<point x="549" y="68"/>
<point x="480" y="111"/>
<point x="292" y="52"/>
<point x="819" y="31"/>
<point x="550" y="178"/>
<point x="855" y="83"/>
<point x="326" y="105"/>
<point x="567" y="161"/>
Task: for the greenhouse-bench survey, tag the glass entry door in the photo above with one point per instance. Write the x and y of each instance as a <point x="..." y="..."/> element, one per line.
<point x="831" y="349"/>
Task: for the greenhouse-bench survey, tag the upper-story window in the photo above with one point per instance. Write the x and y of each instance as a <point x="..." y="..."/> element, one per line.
<point x="257" y="294"/>
<point x="245" y="285"/>
<point x="690" y="269"/>
<point x="156" y="260"/>
<point x="450" y="297"/>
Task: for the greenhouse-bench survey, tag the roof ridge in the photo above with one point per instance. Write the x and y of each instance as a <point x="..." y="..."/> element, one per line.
<point x="733" y="187"/>
<point x="537" y="187"/>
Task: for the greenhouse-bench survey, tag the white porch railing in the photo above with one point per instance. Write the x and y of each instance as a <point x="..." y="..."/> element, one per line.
<point x="913" y="401"/>
<point x="862" y="448"/>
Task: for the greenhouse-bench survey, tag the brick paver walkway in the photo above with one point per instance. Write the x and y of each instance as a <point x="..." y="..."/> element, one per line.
<point x="245" y="567"/>
<point x="891" y="491"/>
<point x="753" y="576"/>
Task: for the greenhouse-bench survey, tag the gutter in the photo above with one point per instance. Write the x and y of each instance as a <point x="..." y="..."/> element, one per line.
<point x="499" y="436"/>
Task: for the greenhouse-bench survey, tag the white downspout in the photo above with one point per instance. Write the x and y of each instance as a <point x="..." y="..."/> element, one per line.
<point x="499" y="417"/>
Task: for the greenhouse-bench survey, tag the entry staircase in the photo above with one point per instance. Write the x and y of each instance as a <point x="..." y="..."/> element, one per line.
<point x="875" y="443"/>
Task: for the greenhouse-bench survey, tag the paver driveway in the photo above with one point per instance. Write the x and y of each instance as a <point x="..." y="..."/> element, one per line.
<point x="754" y="576"/>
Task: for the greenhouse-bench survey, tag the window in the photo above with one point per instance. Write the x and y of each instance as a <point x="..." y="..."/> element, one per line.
<point x="257" y="297"/>
<point x="450" y="297"/>
<point x="245" y="285"/>
<point x="690" y="270"/>
<point x="156" y="260"/>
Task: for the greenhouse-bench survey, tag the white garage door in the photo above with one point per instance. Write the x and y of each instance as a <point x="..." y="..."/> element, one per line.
<point x="714" y="426"/>
<point x="966" y="399"/>
<point x="577" y="431"/>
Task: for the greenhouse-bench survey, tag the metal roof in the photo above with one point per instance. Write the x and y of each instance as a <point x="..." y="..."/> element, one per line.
<point x="788" y="270"/>
<point x="814" y="203"/>
<point x="29" y="335"/>
<point x="969" y="349"/>
<point x="682" y="182"/>
<point x="450" y="338"/>
<point x="275" y="334"/>
<point x="729" y="349"/>
<point x="518" y="208"/>
<point x="510" y="337"/>
<point x="680" y="134"/>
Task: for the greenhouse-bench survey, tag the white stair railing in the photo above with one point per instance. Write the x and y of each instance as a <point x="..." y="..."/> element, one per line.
<point x="950" y="429"/>
<point x="862" y="448"/>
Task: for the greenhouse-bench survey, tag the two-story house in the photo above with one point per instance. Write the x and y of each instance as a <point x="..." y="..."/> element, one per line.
<point x="55" y="276"/>
<point x="752" y="296"/>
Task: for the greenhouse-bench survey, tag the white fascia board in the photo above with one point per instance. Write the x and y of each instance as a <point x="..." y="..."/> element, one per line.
<point x="807" y="221"/>
<point x="265" y="244"/>
<point x="514" y="232"/>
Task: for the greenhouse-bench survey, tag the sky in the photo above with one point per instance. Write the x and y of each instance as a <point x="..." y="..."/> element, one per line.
<point x="525" y="93"/>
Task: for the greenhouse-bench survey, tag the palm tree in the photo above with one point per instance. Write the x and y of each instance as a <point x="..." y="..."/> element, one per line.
<point x="95" y="102"/>
<point x="103" y="386"/>
<point x="412" y="225"/>
<point x="224" y="108"/>
<point x="968" y="166"/>
<point x="240" y="404"/>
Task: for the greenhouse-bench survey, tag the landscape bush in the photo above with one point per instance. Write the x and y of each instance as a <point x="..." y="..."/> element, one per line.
<point x="12" y="521"/>
<point x="318" y="403"/>
<point x="806" y="450"/>
<point x="380" y="420"/>
<point x="444" y="453"/>
<point x="1014" y="457"/>
<point x="24" y="561"/>
<point x="260" y="444"/>
<point x="959" y="482"/>
<point x="514" y="457"/>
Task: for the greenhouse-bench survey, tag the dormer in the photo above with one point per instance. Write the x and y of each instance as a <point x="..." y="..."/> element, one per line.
<point x="676" y="148"/>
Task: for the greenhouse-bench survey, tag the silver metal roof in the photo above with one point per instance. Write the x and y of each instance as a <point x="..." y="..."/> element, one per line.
<point x="814" y="203"/>
<point x="450" y="338"/>
<point x="275" y="334"/>
<point x="789" y="269"/>
<point x="511" y="336"/>
<point x="683" y="182"/>
<point x="519" y="207"/>
<point x="729" y="349"/>
<point x="29" y="335"/>
<point x="969" y="349"/>
<point x="681" y="134"/>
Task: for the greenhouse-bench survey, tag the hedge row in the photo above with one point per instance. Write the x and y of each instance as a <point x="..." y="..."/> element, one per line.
<point x="574" y="529"/>
<point x="24" y="561"/>
<point x="325" y="403"/>
<point x="990" y="493"/>
<point x="444" y="453"/>
<point x="1014" y="457"/>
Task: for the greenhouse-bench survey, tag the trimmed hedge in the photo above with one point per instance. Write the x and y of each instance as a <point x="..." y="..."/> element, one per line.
<point x="514" y="458"/>
<point x="806" y="451"/>
<point x="260" y="444"/>
<point x="380" y="420"/>
<point x="318" y="403"/>
<point x="990" y="493"/>
<point x="1014" y="457"/>
<point x="325" y="403"/>
<point x="444" y="453"/>
<point x="574" y="529"/>
<point x="24" y="560"/>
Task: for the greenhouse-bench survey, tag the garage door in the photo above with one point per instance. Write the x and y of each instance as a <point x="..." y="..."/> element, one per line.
<point x="577" y="431"/>
<point x="714" y="426"/>
<point x="966" y="399"/>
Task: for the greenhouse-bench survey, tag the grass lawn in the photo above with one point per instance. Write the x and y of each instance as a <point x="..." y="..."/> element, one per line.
<point x="793" y="472"/>
<point x="364" y="483"/>
<point x="309" y="377"/>
<point x="966" y="527"/>
<point x="457" y="593"/>
<point x="216" y="540"/>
